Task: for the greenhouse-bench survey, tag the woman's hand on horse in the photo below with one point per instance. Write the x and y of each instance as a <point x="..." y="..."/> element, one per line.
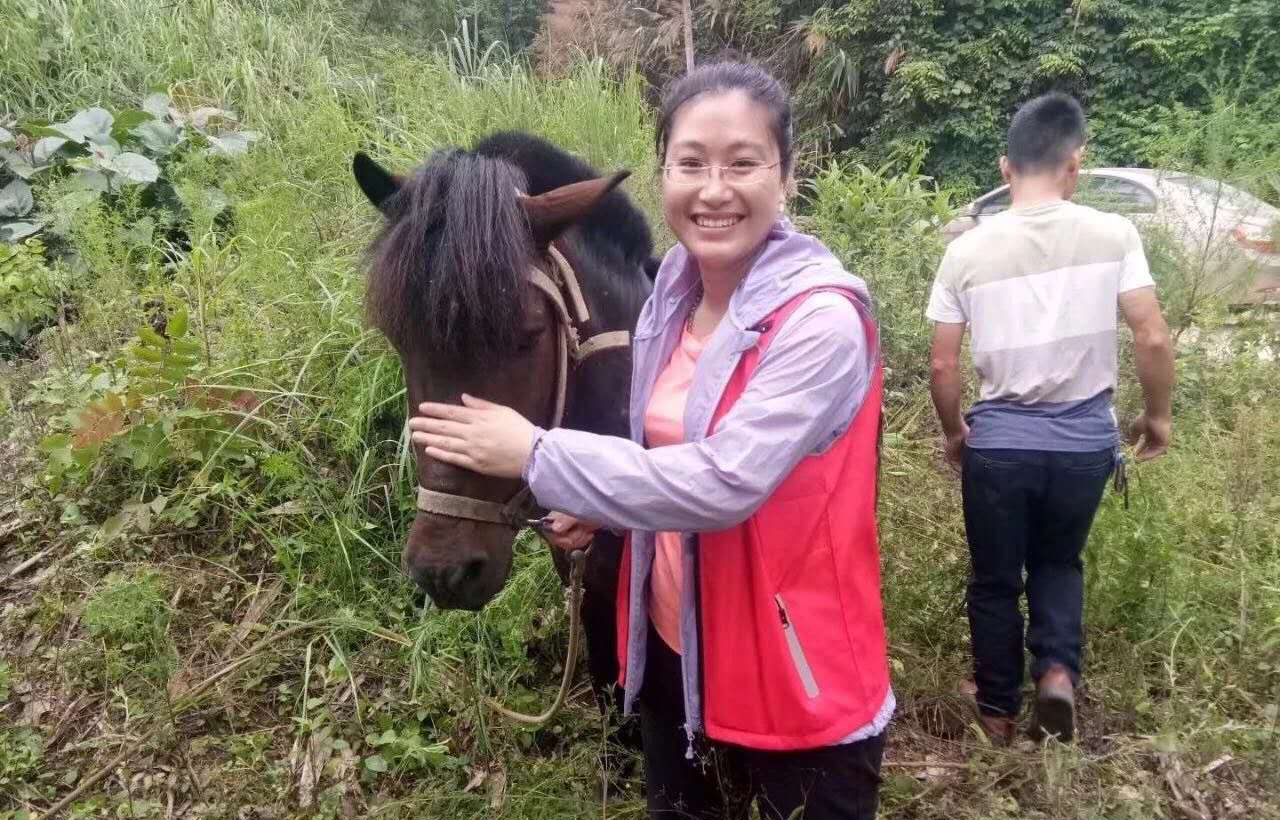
<point x="478" y="435"/>
<point x="568" y="533"/>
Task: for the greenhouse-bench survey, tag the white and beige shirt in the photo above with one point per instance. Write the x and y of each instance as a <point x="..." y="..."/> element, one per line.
<point x="1039" y="288"/>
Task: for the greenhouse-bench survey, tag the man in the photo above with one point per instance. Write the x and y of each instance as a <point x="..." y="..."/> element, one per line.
<point x="1038" y="288"/>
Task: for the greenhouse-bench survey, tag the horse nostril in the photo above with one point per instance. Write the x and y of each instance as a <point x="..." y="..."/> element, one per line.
<point x="452" y="585"/>
<point x="451" y="579"/>
<point x="472" y="569"/>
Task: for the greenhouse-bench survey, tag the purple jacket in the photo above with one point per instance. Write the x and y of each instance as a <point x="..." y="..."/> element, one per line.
<point x="803" y="395"/>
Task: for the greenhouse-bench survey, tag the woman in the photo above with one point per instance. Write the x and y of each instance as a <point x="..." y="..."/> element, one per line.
<point x="749" y="614"/>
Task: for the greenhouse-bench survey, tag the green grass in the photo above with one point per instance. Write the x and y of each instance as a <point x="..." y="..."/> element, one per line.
<point x="302" y="531"/>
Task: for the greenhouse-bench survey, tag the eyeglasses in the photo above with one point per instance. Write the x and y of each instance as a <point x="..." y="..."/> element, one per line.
<point x="739" y="172"/>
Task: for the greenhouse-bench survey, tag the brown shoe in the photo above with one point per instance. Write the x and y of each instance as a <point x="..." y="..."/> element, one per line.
<point x="1055" y="704"/>
<point x="999" y="729"/>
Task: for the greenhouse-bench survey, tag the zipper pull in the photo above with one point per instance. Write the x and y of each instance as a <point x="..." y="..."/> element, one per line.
<point x="782" y="612"/>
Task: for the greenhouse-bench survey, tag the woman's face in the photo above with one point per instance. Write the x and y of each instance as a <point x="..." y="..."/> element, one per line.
<point x="723" y="218"/>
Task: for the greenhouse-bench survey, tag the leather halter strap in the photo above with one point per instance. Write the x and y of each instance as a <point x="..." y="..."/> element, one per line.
<point x="565" y="294"/>
<point x="514" y="513"/>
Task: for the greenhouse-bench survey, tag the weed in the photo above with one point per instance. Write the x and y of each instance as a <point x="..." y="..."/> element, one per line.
<point x="127" y="609"/>
<point x="29" y="293"/>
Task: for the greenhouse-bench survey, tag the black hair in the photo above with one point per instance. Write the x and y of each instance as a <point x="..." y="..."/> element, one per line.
<point x="1044" y="132"/>
<point x="730" y="75"/>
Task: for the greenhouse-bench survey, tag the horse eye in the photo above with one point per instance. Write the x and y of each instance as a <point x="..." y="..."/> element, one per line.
<point x="528" y="341"/>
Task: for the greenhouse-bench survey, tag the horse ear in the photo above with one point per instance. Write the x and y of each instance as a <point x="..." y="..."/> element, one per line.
<point x="550" y="214"/>
<point x="377" y="182"/>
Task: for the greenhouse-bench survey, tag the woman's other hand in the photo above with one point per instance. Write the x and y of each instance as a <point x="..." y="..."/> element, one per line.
<point x="568" y="533"/>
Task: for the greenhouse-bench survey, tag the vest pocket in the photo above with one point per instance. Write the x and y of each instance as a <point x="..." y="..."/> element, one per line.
<point x="798" y="658"/>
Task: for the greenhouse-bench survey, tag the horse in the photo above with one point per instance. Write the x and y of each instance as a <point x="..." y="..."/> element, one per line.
<point x="511" y="271"/>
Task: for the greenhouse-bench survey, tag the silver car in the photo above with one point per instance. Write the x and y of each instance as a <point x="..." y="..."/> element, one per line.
<point x="1228" y="240"/>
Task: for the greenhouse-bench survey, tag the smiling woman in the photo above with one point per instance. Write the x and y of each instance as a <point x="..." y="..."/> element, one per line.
<point x="749" y="599"/>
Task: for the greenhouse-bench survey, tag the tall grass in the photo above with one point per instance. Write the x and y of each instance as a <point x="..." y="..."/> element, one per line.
<point x="275" y="291"/>
<point x="1184" y="630"/>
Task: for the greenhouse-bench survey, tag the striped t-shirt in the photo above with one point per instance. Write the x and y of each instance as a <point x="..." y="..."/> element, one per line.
<point x="1038" y="288"/>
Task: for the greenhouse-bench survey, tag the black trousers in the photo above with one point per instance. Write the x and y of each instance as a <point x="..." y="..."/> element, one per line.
<point x="721" y="781"/>
<point x="1027" y="510"/>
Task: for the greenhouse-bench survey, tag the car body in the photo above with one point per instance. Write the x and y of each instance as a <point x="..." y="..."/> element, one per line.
<point x="1227" y="238"/>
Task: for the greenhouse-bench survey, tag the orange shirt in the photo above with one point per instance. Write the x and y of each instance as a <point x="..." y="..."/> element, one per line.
<point x="663" y="426"/>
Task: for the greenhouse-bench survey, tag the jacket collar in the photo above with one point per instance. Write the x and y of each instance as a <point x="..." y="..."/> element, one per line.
<point x="786" y="264"/>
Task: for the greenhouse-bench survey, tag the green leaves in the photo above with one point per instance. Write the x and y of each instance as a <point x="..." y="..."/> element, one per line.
<point x="92" y="125"/>
<point x="153" y="415"/>
<point x="16" y="202"/>
<point x="15" y="199"/>
<point x="405" y="750"/>
<point x="164" y="364"/>
<point x="158" y="137"/>
<point x="28" y="296"/>
<point x="133" y="168"/>
<point x="106" y="152"/>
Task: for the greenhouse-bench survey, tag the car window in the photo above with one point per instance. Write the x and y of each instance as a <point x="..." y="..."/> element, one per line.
<point x="1115" y="195"/>
<point x="1212" y="189"/>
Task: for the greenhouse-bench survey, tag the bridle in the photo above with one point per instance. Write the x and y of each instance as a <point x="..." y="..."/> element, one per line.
<point x="571" y="315"/>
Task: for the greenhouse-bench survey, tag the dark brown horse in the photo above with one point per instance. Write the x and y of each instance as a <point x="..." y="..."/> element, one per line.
<point x="453" y="285"/>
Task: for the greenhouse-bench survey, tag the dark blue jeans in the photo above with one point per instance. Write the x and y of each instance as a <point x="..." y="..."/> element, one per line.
<point x="1027" y="510"/>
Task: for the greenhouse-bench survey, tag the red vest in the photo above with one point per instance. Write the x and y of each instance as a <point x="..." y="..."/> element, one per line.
<point x="790" y="621"/>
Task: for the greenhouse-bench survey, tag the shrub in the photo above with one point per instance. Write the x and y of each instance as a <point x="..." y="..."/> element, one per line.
<point x="884" y="223"/>
<point x="28" y="293"/>
<point x="104" y="153"/>
<point x="126" y="609"/>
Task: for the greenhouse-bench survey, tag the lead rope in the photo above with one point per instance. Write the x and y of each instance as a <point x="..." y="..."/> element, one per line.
<point x="1120" y="480"/>
<point x="578" y="561"/>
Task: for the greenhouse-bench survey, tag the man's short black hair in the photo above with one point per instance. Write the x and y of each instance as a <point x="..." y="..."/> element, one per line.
<point x="1044" y="132"/>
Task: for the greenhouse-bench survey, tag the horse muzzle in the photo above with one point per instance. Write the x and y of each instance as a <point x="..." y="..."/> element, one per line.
<point x="459" y="564"/>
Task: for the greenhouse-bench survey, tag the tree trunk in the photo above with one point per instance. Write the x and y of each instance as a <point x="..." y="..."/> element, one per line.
<point x="688" y="34"/>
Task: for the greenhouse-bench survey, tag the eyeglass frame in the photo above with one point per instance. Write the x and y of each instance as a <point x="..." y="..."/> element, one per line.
<point x="707" y="168"/>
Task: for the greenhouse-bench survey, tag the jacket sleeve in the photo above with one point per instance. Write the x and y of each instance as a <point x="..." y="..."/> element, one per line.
<point x="804" y="393"/>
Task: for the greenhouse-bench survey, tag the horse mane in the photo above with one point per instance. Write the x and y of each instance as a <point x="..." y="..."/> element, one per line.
<point x="448" y="269"/>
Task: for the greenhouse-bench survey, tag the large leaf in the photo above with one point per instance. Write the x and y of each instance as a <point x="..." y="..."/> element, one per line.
<point x="159" y="137"/>
<point x="44" y="149"/>
<point x="38" y="128"/>
<point x="16" y="163"/>
<point x="103" y="152"/>
<point x="15" y="199"/>
<point x="92" y="179"/>
<point x="91" y="125"/>
<point x="13" y="231"/>
<point x="157" y="105"/>
<point x="232" y="144"/>
<point x="134" y="168"/>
